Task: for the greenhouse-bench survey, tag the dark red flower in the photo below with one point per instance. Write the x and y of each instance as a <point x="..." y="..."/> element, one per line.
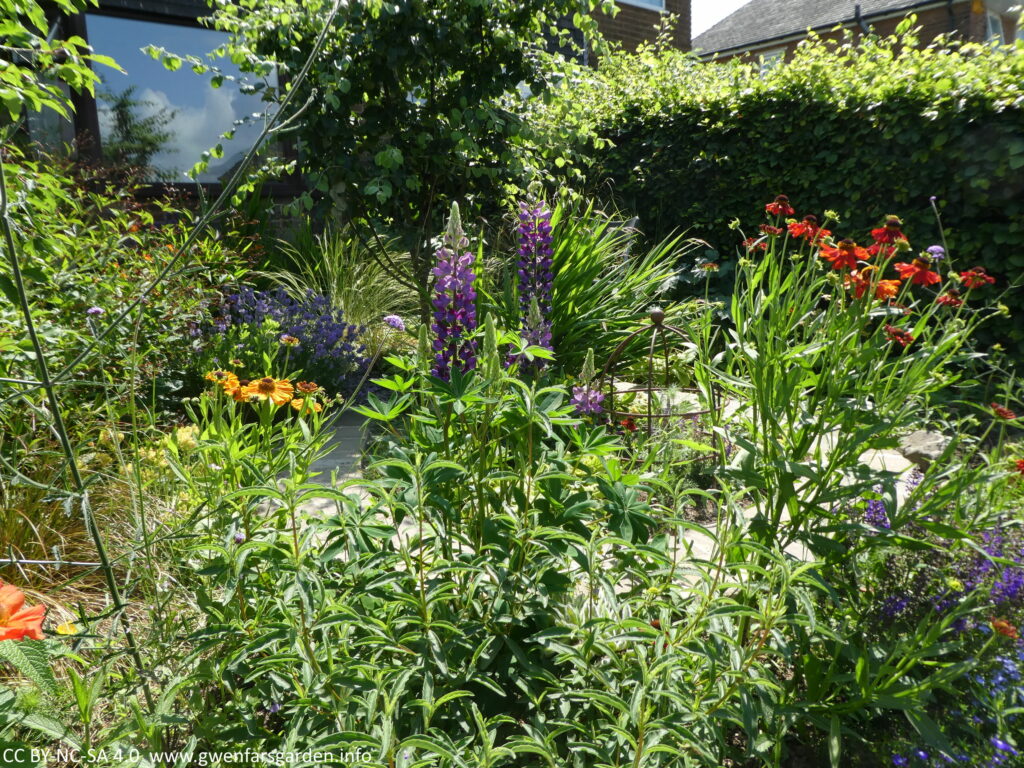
<point x="754" y="244"/>
<point x="1020" y="466"/>
<point x="628" y="424"/>
<point x="1003" y="412"/>
<point x="898" y="336"/>
<point x="780" y="207"/>
<point x="845" y="254"/>
<point x="917" y="272"/>
<point x="768" y="229"/>
<point x="976" y="277"/>
<point x="950" y="298"/>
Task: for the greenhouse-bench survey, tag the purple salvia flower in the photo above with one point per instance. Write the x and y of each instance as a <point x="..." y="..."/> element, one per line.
<point x="535" y="275"/>
<point x="454" y="303"/>
<point x="94" y="311"/>
<point x="937" y="252"/>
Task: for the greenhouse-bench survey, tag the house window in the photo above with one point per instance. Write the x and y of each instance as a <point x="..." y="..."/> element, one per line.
<point x="164" y="120"/>
<point x="654" y="5"/>
<point x="772" y="59"/>
<point x="994" y="30"/>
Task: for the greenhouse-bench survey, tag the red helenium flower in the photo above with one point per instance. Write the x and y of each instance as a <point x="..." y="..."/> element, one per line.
<point x="976" y="277"/>
<point x="898" y="336"/>
<point x="917" y="272"/>
<point x="845" y="254"/>
<point x="890" y="232"/>
<point x="950" y="298"/>
<point x="780" y="207"/>
<point x="1003" y="412"/>
<point x="808" y="229"/>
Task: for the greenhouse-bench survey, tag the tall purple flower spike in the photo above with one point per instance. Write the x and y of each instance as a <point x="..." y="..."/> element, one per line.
<point x="535" y="275"/>
<point x="454" y="303"/>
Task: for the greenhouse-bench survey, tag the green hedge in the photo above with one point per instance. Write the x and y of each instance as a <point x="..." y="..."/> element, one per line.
<point x="863" y="130"/>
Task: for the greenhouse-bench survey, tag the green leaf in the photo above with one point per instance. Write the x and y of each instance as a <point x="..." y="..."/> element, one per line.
<point x="29" y="657"/>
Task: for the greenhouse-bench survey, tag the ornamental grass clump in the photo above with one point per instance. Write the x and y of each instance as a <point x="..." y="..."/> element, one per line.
<point x="454" y="303"/>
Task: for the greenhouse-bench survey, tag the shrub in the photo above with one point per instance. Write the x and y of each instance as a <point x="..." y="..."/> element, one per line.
<point x="861" y="129"/>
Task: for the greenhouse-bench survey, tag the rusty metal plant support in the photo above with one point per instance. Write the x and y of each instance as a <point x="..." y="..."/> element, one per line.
<point x="657" y="328"/>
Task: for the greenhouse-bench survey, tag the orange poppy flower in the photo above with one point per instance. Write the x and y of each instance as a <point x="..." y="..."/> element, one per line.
<point x="277" y="391"/>
<point x="16" y="621"/>
<point x="845" y="255"/>
<point x="917" y="272"/>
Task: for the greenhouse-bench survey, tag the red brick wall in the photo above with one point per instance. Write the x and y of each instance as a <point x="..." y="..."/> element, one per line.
<point x="965" y="21"/>
<point x="633" y="25"/>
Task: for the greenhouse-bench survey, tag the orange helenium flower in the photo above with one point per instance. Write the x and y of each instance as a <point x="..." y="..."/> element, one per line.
<point x="845" y="255"/>
<point x="277" y="391"/>
<point x="307" y="387"/>
<point x="16" y="621"/>
<point x="299" y="402"/>
<point x="887" y="289"/>
<point x="225" y="379"/>
<point x="917" y="272"/>
<point x="1005" y="628"/>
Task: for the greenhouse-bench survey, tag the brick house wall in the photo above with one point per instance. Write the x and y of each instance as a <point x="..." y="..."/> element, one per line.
<point x="634" y="24"/>
<point x="965" y="19"/>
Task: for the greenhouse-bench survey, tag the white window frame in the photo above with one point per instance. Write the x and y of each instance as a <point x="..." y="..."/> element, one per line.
<point x="996" y="21"/>
<point x="771" y="58"/>
<point x="650" y="5"/>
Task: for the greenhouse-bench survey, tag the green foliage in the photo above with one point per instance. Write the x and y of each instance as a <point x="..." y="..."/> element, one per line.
<point x="33" y="66"/>
<point x="863" y="130"/>
<point x="30" y="659"/>
<point x="411" y="105"/>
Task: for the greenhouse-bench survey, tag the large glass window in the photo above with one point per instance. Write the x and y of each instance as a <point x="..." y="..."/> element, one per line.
<point x="161" y="119"/>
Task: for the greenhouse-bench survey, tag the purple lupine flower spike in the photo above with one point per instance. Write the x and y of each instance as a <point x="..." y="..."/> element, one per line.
<point x="535" y="275"/>
<point x="454" y="303"/>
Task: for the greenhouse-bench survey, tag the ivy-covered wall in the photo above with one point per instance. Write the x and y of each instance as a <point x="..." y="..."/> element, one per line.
<point x="864" y="130"/>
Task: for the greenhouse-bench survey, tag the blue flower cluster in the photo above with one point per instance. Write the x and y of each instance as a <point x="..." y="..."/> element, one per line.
<point x="329" y="349"/>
